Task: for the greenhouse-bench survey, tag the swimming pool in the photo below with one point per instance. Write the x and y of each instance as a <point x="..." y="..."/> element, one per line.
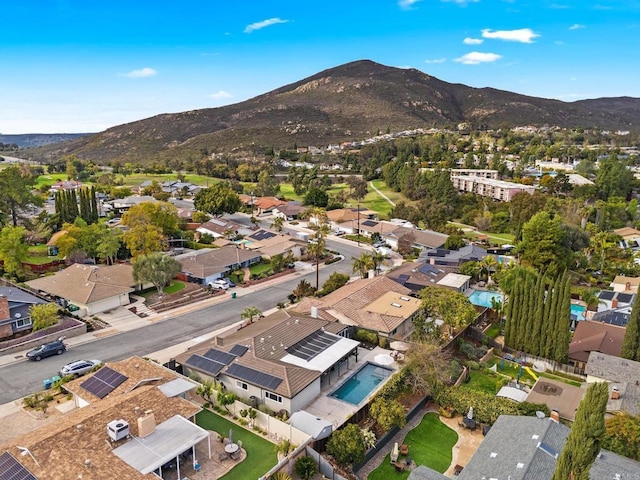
<point x="483" y="298"/>
<point x="360" y="384"/>
<point x="578" y="311"/>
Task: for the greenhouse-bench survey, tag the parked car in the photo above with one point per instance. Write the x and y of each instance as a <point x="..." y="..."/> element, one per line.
<point x="229" y="282"/>
<point x="47" y="350"/>
<point x="78" y="367"/>
<point x="219" y="284"/>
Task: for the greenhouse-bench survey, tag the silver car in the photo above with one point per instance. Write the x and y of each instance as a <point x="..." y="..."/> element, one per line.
<point x="78" y="368"/>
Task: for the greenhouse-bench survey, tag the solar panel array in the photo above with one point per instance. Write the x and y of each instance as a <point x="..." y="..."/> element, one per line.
<point x="262" y="235"/>
<point x="254" y="376"/>
<point x="239" y="350"/>
<point x="607" y="295"/>
<point x="204" y="364"/>
<point x="312" y="345"/>
<point x="624" y="297"/>
<point x="11" y="469"/>
<point x="219" y="356"/>
<point x="103" y="382"/>
<point x="369" y="223"/>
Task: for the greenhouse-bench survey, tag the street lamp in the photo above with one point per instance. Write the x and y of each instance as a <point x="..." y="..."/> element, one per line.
<point x="358" y="233"/>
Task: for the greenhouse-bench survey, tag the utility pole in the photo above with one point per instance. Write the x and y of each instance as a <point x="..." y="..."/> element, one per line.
<point x="358" y="224"/>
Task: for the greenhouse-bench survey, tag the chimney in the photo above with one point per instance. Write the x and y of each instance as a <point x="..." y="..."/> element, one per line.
<point x="555" y="415"/>
<point x="314" y="311"/>
<point x="4" y="308"/>
<point x="614" y="303"/>
<point x="627" y="286"/>
<point x="615" y="393"/>
<point x="146" y="424"/>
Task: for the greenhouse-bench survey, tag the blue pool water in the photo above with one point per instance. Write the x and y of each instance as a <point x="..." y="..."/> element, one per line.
<point x="578" y="311"/>
<point x="361" y="383"/>
<point x="483" y="298"/>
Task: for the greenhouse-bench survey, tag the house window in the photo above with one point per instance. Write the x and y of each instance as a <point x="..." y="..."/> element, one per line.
<point x="273" y="396"/>
<point x="24" y="322"/>
<point x="242" y="385"/>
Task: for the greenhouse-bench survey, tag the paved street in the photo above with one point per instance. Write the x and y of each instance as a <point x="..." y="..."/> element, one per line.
<point x="23" y="377"/>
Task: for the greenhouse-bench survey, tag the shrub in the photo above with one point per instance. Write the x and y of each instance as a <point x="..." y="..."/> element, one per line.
<point x="383" y="342"/>
<point x="306" y="467"/>
<point x="473" y="365"/>
<point x="346" y="445"/>
<point x="367" y="336"/>
<point x="280" y="476"/>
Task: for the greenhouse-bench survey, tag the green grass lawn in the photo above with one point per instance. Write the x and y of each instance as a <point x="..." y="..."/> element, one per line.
<point x="38" y="255"/>
<point x="430" y="444"/>
<point x="50" y="179"/>
<point x="137" y="178"/>
<point x="174" y="287"/>
<point x="261" y="454"/>
<point x="259" y="268"/>
<point x="484" y="381"/>
<point x="511" y="369"/>
<point x="493" y="331"/>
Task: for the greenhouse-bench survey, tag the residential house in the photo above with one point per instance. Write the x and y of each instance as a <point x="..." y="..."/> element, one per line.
<point x="15" y="305"/>
<point x="261" y="205"/>
<point x="455" y="281"/>
<point x="289" y="211"/>
<point x="624" y="284"/>
<point x="221" y="227"/>
<point x="129" y="432"/>
<point x="208" y="264"/>
<point x="622" y="375"/>
<point x="417" y="275"/>
<point x="614" y="307"/>
<point x="578" y="180"/>
<point x="527" y="448"/>
<point x="630" y="237"/>
<point x="65" y="185"/>
<point x="349" y="215"/>
<point x="416" y="238"/>
<point x="591" y="336"/>
<point x="271" y="244"/>
<point x="282" y="362"/>
<point x="442" y="257"/>
<point x="89" y="289"/>
<point x="378" y="304"/>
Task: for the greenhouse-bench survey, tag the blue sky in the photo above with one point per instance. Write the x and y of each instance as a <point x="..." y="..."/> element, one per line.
<point x="83" y="66"/>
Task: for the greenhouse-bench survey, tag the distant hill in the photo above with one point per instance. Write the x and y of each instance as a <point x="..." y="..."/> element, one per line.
<point x="349" y="102"/>
<point x="28" y="140"/>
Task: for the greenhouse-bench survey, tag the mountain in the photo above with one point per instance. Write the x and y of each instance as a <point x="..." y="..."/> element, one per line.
<point x="346" y="103"/>
<point x="38" y="139"/>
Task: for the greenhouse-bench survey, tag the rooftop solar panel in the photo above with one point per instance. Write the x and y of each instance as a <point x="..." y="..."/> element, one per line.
<point x="625" y="297"/>
<point x="312" y="345"/>
<point x="219" y="356"/>
<point x="606" y="295"/>
<point x="262" y="235"/>
<point x="11" y="469"/>
<point x="204" y="364"/>
<point x="239" y="350"/>
<point x="103" y="382"/>
<point x="253" y="376"/>
<point x="369" y="223"/>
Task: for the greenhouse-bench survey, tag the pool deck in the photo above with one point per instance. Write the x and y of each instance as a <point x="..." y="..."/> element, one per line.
<point x="337" y="411"/>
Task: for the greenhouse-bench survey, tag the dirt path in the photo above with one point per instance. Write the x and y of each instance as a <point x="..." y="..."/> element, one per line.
<point x="391" y="202"/>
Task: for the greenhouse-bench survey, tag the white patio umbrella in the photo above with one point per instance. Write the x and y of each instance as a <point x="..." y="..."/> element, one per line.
<point x="399" y="346"/>
<point x="470" y="413"/>
<point x="383" y="359"/>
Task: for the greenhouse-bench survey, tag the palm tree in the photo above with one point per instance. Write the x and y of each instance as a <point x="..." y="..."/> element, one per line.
<point x="249" y="313"/>
<point x="377" y="260"/>
<point x="489" y="264"/>
<point x="362" y="264"/>
<point x="277" y="224"/>
<point x="590" y="297"/>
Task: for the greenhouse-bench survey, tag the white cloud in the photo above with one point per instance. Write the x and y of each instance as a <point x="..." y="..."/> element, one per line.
<point x="436" y="60"/>
<point x="407" y="4"/>
<point x="142" y="73"/>
<point x="461" y="2"/>
<point x="476" y="58"/>
<point x="220" y="94"/>
<point x="263" y="24"/>
<point x="576" y="26"/>
<point x="523" y="35"/>
<point x="472" y="41"/>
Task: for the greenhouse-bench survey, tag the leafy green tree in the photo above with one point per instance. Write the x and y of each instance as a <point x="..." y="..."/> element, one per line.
<point x="200" y="217"/>
<point x="155" y="268"/>
<point x="306" y="467"/>
<point x="109" y="244"/>
<point x="218" y="199"/>
<point x="454" y="242"/>
<point x="206" y="389"/>
<point x="541" y="245"/>
<point x="631" y="342"/>
<point x="522" y="207"/>
<point x="16" y="192"/>
<point x="277" y="224"/>
<point x="162" y="215"/>
<point x="334" y="282"/>
<point x="613" y="179"/>
<point x="452" y="307"/>
<point x="347" y="446"/>
<point x="13" y="249"/>
<point x="622" y="435"/>
<point x="316" y="197"/>
<point x="226" y="398"/>
<point x="471" y="268"/>
<point x="144" y="239"/>
<point x="388" y="413"/>
<point x="303" y="289"/>
<point x="43" y="315"/>
<point x="585" y="437"/>
<point x="250" y="313"/>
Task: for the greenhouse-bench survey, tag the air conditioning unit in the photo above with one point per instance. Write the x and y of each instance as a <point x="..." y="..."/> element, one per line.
<point x="118" y="429"/>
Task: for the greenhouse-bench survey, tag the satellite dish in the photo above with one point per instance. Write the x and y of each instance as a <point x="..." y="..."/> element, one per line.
<point x="18" y="315"/>
<point x="540" y="414"/>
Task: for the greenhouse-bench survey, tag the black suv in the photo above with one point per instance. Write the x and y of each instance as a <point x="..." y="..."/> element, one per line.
<point x="47" y="350"/>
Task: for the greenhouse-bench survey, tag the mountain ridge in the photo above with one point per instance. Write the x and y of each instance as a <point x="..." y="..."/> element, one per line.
<point x="345" y="103"/>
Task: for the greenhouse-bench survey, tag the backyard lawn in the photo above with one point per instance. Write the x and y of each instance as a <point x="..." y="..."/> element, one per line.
<point x="261" y="454"/>
<point x="174" y="287"/>
<point x="430" y="444"/>
<point x="484" y="381"/>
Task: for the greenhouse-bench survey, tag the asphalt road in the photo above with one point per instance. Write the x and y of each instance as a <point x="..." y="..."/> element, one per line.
<point x="23" y="378"/>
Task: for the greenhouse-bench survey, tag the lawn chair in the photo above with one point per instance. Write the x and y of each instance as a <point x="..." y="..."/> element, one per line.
<point x="223" y="456"/>
<point x="239" y="442"/>
<point x="399" y="466"/>
<point x="404" y="449"/>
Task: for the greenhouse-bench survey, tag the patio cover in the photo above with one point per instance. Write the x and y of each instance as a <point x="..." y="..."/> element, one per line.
<point x="325" y="359"/>
<point x="170" y="439"/>
<point x="176" y="387"/>
<point x="512" y="393"/>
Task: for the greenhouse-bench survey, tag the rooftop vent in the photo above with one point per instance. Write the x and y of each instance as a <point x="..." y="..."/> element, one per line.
<point x="406" y="299"/>
<point x="397" y="305"/>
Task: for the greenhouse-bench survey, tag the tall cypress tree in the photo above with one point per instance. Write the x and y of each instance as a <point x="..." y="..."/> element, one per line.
<point x="514" y="314"/>
<point x="583" y="443"/>
<point x="552" y="298"/>
<point x="631" y="342"/>
<point x="563" y="321"/>
<point x="73" y="206"/>
<point x="94" y="205"/>
<point x="538" y="319"/>
<point x="531" y="314"/>
<point x="84" y="205"/>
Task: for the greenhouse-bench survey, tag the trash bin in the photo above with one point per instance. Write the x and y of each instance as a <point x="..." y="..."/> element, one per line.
<point x="47" y="383"/>
<point x="55" y="378"/>
<point x="233" y="294"/>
